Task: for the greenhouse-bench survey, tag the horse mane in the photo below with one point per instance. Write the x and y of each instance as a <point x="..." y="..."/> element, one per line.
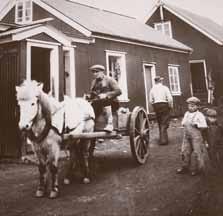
<point x="30" y="89"/>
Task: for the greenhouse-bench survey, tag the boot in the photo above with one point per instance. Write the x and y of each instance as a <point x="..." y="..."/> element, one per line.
<point x="109" y="119"/>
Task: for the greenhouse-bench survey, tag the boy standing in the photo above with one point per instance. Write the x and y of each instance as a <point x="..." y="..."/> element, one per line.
<point x="192" y="148"/>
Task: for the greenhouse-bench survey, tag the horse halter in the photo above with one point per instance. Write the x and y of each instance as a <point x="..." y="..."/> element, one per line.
<point x="44" y="132"/>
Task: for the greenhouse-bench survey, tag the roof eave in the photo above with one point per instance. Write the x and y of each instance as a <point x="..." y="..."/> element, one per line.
<point x="140" y="42"/>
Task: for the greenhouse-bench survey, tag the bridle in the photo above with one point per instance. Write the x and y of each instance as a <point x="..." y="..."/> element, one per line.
<point x="45" y="131"/>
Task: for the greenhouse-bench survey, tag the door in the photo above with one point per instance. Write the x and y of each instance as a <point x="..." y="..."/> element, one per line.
<point x="40" y="66"/>
<point x="198" y="77"/>
<point x="149" y="75"/>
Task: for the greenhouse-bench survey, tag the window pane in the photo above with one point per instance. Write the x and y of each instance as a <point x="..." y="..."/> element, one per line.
<point x="174" y="80"/>
<point x="114" y="67"/>
<point x="158" y="27"/>
<point x="166" y="27"/>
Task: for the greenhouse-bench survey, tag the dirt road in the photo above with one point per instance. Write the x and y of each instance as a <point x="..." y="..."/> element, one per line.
<point x="119" y="186"/>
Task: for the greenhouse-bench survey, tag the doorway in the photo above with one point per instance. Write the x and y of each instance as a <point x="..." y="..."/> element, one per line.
<point x="40" y="66"/>
<point x="198" y="77"/>
<point x="149" y="75"/>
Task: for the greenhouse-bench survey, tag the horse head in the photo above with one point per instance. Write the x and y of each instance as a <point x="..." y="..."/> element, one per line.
<point x="27" y="95"/>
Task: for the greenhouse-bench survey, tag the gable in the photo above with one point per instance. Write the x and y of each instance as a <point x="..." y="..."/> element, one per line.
<point x="202" y="24"/>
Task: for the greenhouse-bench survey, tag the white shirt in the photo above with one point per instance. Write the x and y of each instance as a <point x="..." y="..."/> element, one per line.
<point x="160" y="93"/>
<point x="194" y="118"/>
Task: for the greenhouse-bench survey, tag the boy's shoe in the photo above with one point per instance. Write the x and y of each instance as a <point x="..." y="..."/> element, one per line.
<point x="182" y="170"/>
<point x="109" y="128"/>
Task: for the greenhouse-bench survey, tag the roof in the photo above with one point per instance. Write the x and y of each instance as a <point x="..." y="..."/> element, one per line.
<point x="109" y="23"/>
<point x="93" y="21"/>
<point x="25" y="32"/>
<point x="203" y="24"/>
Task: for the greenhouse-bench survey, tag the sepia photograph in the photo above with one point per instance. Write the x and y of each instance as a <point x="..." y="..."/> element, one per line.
<point x="111" y="108"/>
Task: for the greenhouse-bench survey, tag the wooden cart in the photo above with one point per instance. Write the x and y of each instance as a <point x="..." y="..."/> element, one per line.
<point x="134" y="124"/>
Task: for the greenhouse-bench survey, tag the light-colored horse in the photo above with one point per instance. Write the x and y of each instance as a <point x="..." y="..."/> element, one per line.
<point x="45" y="120"/>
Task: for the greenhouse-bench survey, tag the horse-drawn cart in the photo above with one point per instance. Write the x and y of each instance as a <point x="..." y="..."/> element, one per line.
<point x="134" y="124"/>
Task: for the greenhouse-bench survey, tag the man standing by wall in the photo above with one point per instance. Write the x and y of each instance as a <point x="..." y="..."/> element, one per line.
<point x="162" y="101"/>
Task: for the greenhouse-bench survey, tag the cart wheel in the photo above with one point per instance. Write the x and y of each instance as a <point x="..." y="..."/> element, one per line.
<point x="139" y="134"/>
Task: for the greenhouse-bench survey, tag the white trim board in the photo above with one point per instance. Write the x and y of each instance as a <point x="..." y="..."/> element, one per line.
<point x="43" y="29"/>
<point x="153" y="74"/>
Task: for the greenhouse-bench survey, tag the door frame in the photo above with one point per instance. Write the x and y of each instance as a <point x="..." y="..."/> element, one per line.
<point x="153" y="74"/>
<point x="205" y="72"/>
<point x="54" y="62"/>
<point x="72" y="71"/>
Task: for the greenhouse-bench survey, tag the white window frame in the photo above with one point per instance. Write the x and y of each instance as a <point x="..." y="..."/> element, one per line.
<point x="176" y="70"/>
<point x="24" y="9"/>
<point x="123" y="78"/>
<point x="162" y="24"/>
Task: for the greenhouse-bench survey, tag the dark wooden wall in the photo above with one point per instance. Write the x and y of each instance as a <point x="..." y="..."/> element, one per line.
<point x="86" y="55"/>
<point x="203" y="47"/>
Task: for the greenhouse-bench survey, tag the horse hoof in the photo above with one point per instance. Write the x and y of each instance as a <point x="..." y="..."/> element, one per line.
<point x="39" y="193"/>
<point x="53" y="194"/>
<point x="86" y="181"/>
<point x="66" y="181"/>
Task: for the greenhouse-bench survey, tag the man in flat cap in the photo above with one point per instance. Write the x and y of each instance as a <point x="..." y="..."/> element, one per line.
<point x="162" y="102"/>
<point x="106" y="89"/>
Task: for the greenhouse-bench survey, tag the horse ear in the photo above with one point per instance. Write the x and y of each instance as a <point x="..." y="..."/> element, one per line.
<point x="17" y="88"/>
<point x="40" y="86"/>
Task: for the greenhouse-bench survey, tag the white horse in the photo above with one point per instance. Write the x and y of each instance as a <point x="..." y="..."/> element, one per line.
<point x="45" y="120"/>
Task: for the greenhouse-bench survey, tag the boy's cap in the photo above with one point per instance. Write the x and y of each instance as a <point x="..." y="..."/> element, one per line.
<point x="158" y="78"/>
<point x="97" y="67"/>
<point x="193" y="100"/>
<point x="211" y="112"/>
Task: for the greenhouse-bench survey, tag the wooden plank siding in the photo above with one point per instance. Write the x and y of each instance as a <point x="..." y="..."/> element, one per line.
<point x="9" y="74"/>
<point x="135" y="57"/>
<point x="203" y="47"/>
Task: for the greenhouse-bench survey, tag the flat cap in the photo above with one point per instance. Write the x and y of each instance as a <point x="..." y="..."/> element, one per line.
<point x="97" y="67"/>
<point x="158" y="78"/>
<point x="193" y="100"/>
<point x="211" y="112"/>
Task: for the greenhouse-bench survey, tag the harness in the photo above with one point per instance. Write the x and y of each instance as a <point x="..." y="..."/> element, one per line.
<point x="49" y="126"/>
<point x="43" y="134"/>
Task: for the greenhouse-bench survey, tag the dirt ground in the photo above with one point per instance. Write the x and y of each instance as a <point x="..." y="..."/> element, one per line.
<point x="119" y="187"/>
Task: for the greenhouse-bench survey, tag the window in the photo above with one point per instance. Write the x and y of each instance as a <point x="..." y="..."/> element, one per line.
<point x="174" y="80"/>
<point x="23" y="11"/>
<point x="164" y="27"/>
<point x="116" y="68"/>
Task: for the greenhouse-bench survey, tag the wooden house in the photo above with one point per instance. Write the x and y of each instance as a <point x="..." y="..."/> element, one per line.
<point x="204" y="36"/>
<point x="56" y="42"/>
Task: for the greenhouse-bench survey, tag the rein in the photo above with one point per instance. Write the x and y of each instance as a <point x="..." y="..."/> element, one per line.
<point x="43" y="134"/>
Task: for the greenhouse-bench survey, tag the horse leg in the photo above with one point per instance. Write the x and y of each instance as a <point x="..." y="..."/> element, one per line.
<point x="84" y="146"/>
<point x="41" y="187"/>
<point x="53" y="167"/>
<point x="71" y="163"/>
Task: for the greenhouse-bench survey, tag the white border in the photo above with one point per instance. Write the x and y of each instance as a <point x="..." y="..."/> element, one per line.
<point x="153" y="74"/>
